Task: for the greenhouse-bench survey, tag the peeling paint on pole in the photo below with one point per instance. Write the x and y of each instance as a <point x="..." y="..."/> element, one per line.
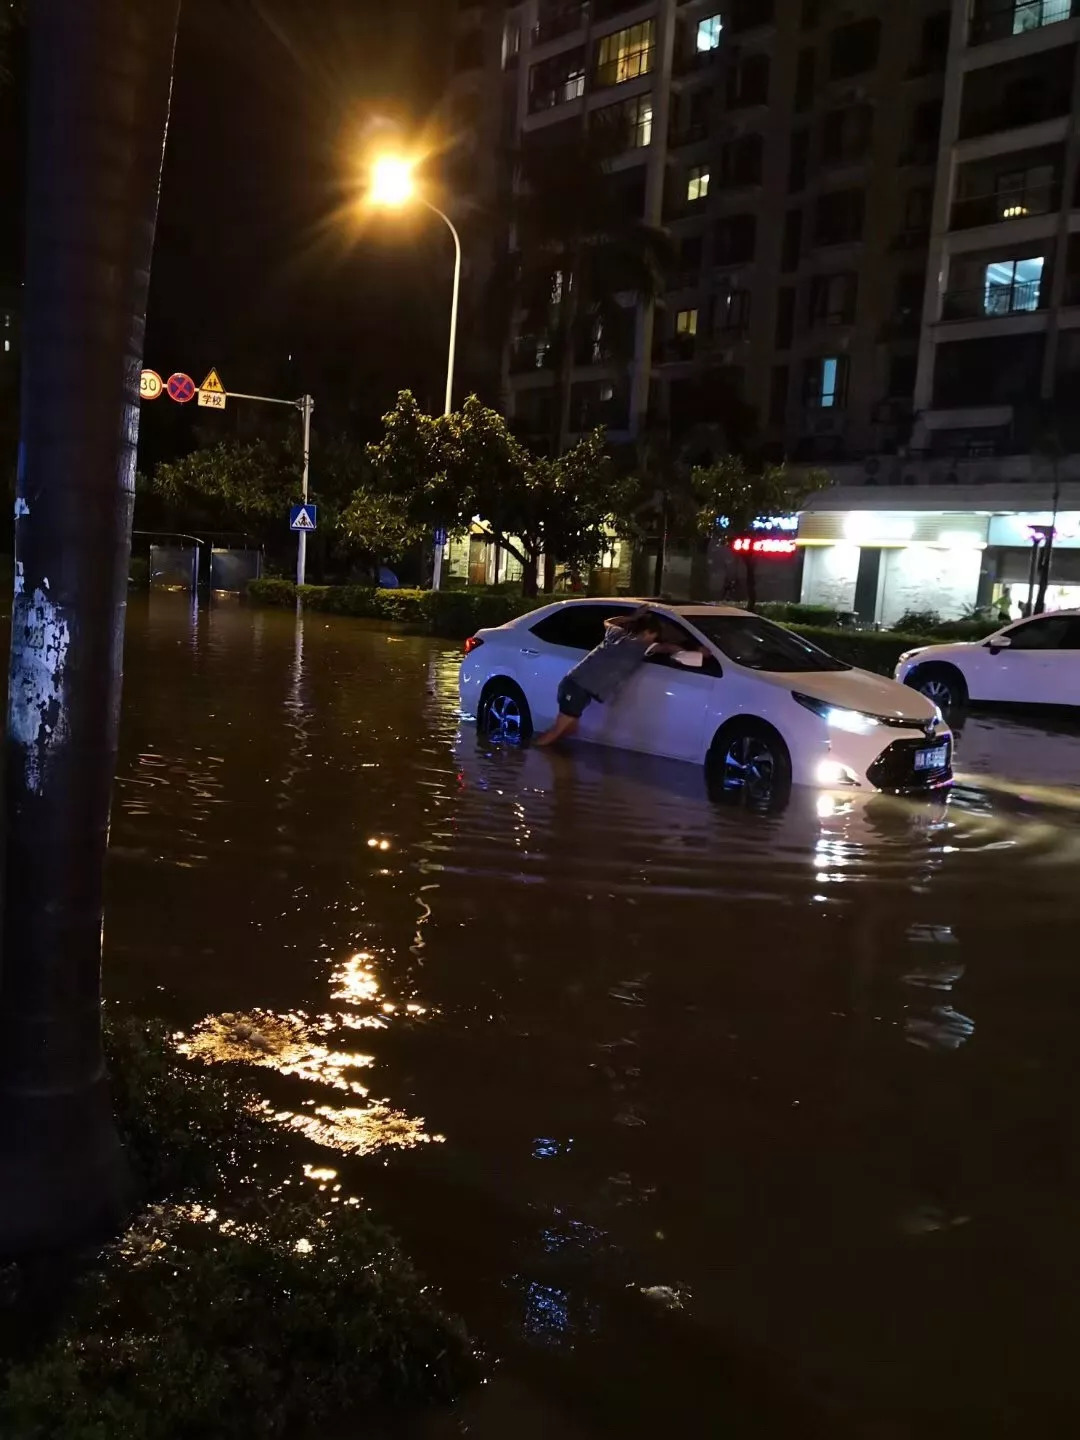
<point x="40" y="637"/>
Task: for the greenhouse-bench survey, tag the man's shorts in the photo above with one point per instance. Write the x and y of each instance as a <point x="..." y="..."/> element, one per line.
<point x="573" y="699"/>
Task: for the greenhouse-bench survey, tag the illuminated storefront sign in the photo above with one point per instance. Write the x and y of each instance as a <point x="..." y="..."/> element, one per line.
<point x="1019" y="531"/>
<point x="762" y="545"/>
<point x="885" y="529"/>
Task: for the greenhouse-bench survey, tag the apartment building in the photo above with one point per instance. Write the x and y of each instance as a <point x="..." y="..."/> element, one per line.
<point x="789" y="148"/>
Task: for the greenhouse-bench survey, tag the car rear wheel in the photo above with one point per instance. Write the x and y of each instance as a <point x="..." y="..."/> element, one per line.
<point x="504" y="714"/>
<point x="749" y="762"/>
<point x="943" y="684"/>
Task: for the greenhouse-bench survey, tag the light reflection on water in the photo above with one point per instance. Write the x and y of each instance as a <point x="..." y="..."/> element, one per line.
<point x="811" y="1072"/>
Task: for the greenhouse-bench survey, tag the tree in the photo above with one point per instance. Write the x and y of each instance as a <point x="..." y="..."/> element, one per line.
<point x="728" y="492"/>
<point x="12" y="13"/>
<point x="99" y="85"/>
<point x="580" y="253"/>
<point x="455" y="470"/>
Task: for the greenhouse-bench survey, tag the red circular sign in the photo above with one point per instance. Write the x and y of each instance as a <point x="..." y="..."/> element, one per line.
<point x="181" y="388"/>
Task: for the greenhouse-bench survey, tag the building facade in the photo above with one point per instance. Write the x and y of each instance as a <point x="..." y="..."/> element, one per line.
<point x="874" y="217"/>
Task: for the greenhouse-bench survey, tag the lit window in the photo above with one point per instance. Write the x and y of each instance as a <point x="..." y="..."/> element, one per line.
<point x="1033" y="14"/>
<point x="697" y="183"/>
<point x="557" y="287"/>
<point x="627" y="54"/>
<point x="1012" y="285"/>
<point x="708" y="33"/>
<point x="686" y="322"/>
<point x="641" y="122"/>
<point x="826" y="381"/>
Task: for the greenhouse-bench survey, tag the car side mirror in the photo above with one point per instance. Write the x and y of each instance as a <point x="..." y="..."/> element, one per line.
<point x="998" y="643"/>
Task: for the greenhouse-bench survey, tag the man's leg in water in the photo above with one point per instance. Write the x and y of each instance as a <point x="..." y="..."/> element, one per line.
<point x="573" y="701"/>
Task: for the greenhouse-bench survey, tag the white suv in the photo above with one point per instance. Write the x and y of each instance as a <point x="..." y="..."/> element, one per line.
<point x="763" y="707"/>
<point x="1031" y="662"/>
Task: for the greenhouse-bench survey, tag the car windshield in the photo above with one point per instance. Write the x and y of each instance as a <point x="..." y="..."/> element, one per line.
<point x="760" y="645"/>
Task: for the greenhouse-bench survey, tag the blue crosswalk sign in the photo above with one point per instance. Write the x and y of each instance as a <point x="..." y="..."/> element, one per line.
<point x="304" y="517"/>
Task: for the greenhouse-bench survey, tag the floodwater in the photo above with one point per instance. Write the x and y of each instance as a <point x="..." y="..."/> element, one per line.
<point x="709" y="1123"/>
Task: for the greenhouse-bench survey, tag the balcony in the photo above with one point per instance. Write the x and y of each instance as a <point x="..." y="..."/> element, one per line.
<point x="996" y="20"/>
<point x="564" y="21"/>
<point x="687" y="133"/>
<point x="529" y="354"/>
<point x="1003" y="205"/>
<point x="992" y="301"/>
<point x="676" y="349"/>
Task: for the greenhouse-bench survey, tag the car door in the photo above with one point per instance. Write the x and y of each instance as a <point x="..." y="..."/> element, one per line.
<point x="553" y="646"/>
<point x="662" y="708"/>
<point x="1037" y="667"/>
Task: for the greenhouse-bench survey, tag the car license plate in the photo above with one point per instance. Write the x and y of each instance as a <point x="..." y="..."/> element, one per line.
<point x="935" y="759"/>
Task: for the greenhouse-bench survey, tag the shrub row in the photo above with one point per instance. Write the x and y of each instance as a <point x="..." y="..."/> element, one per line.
<point x="877" y="650"/>
<point x="453" y="613"/>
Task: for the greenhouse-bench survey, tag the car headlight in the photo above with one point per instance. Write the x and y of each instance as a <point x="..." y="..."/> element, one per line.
<point x="857" y="722"/>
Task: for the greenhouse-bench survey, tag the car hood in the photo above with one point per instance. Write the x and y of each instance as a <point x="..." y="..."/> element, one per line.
<point x="861" y="690"/>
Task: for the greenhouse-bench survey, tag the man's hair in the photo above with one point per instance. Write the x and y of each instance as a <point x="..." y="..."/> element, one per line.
<point x="638" y="624"/>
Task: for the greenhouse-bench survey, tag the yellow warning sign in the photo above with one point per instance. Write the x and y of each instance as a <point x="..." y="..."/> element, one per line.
<point x="212" y="384"/>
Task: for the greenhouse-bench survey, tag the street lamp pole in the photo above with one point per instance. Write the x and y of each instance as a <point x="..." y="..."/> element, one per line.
<point x="455" y="307"/>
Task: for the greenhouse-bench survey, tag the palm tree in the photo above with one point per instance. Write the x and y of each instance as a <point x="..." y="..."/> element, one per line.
<point x="98" y="98"/>
<point x="579" y="255"/>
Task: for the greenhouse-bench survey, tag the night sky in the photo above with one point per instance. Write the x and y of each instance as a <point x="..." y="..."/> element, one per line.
<point x="259" y="269"/>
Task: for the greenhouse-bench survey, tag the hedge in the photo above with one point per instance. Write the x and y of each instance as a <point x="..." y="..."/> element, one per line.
<point x="877" y="650"/>
<point x="452" y="613"/>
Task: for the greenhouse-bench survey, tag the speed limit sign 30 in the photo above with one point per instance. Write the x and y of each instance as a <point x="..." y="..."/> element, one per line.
<point x="150" y="385"/>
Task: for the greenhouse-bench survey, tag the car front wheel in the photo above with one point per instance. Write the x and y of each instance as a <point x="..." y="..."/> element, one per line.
<point x="749" y="762"/>
<point x="943" y="684"/>
<point x="503" y="713"/>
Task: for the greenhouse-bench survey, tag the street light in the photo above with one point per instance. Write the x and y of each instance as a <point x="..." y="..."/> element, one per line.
<point x="393" y="185"/>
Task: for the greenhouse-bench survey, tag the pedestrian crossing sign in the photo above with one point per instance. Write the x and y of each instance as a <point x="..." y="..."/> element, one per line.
<point x="303" y="517"/>
<point x="212" y="384"/>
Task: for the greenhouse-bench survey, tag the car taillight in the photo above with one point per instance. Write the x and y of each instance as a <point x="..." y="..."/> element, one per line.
<point x="473" y="643"/>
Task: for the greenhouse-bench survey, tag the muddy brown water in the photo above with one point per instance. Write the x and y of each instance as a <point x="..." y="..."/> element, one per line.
<point x="709" y="1123"/>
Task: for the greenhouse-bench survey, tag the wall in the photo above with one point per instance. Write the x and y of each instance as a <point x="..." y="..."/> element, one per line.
<point x="829" y="574"/>
<point x="923" y="578"/>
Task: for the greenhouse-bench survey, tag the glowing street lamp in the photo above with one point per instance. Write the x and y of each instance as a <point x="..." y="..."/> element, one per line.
<point x="393" y="185"/>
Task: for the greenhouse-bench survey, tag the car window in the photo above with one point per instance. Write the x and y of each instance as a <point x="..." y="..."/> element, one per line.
<point x="578" y="627"/>
<point x="760" y="645"/>
<point x="1048" y="632"/>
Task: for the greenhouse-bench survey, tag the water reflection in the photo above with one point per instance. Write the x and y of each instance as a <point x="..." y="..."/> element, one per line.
<point x="669" y="1046"/>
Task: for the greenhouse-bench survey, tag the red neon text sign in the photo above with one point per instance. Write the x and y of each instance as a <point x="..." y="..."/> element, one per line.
<point x="758" y="545"/>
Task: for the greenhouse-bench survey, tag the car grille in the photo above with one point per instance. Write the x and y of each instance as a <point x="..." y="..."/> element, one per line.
<point x="894" y="769"/>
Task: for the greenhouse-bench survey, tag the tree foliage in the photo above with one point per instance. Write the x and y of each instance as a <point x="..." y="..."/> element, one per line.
<point x="468" y="467"/>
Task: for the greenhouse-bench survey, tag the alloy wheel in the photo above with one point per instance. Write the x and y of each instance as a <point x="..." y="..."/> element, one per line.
<point x="750" y="767"/>
<point x="503" y="719"/>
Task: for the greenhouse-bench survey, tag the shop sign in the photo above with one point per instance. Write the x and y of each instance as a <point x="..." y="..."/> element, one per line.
<point x="1020" y="531"/>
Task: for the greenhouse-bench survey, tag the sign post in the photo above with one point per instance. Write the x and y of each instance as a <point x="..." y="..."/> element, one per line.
<point x="213" y="396"/>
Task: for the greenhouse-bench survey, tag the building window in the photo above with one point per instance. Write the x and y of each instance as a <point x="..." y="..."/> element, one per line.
<point x="854" y="49"/>
<point x="804" y="81"/>
<point x="741" y="161"/>
<point x="1012" y="285"/>
<point x="839" y="217"/>
<point x="826" y="381"/>
<point x="631" y="121"/>
<point x="785" y="317"/>
<point x="791" y="245"/>
<point x="1033" y="14"/>
<point x="708" y="33"/>
<point x="1025" y="192"/>
<point x="778" y="391"/>
<point x="736" y="240"/>
<point x="832" y="299"/>
<point x="557" y="81"/>
<point x="626" y="55"/>
<point x="697" y="183"/>
<point x="686" y="322"/>
<point x="748" y="82"/>
<point x="845" y="134"/>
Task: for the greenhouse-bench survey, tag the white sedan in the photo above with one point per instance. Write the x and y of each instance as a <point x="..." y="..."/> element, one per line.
<point x="761" y="707"/>
<point x="1031" y="662"/>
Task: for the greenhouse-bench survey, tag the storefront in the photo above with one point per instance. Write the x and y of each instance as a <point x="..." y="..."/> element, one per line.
<point x="882" y="553"/>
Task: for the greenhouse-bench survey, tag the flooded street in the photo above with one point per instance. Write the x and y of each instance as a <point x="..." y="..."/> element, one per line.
<point x="709" y="1123"/>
